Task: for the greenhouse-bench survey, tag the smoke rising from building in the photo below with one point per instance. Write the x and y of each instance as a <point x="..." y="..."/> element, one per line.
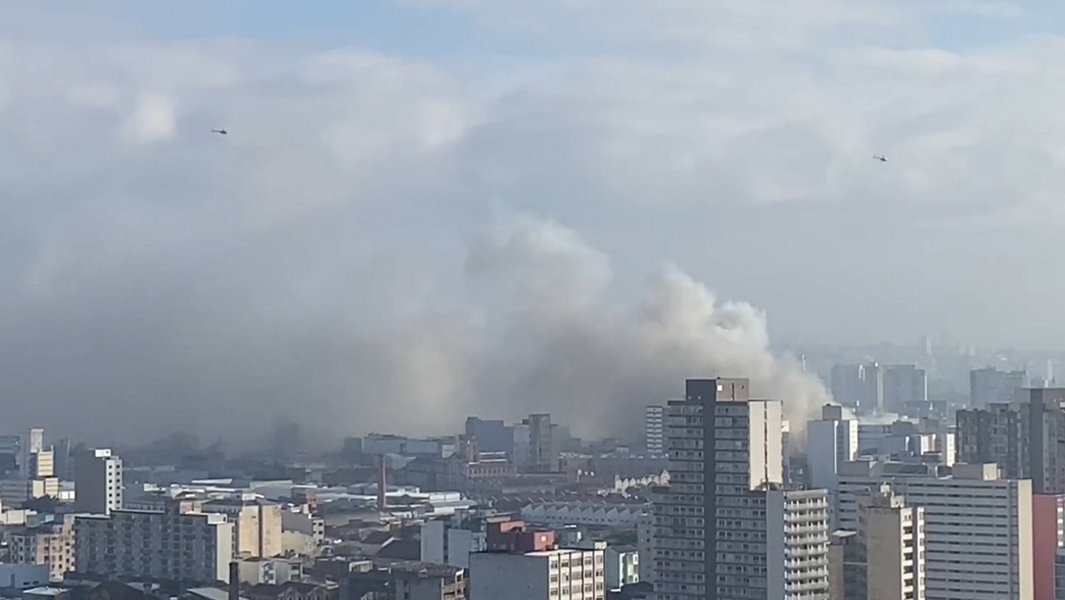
<point x="159" y="351"/>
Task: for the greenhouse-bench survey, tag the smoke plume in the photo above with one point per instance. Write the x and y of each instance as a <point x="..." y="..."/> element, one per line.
<point x="199" y="348"/>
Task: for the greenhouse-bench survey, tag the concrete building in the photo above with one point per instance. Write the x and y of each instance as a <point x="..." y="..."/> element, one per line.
<point x="14" y="492"/>
<point x="859" y="386"/>
<point x="990" y="386"/>
<point x="98" y="486"/>
<point x="1048" y="538"/>
<point x="831" y="441"/>
<point x="154" y="545"/>
<point x="797" y="540"/>
<point x="543" y="449"/>
<point x="18" y="577"/>
<point x="711" y="541"/>
<point x="645" y="545"/>
<point x="622" y="567"/>
<point x="978" y="526"/>
<point x="271" y="571"/>
<point x="891" y="543"/>
<point x="904" y="385"/>
<point x="539" y="575"/>
<point x="846" y="571"/>
<point x="991" y="434"/>
<point x="451" y="541"/>
<point x="51" y="545"/>
<point x="654" y="430"/>
<point x="256" y="526"/>
<point x="1042" y="418"/>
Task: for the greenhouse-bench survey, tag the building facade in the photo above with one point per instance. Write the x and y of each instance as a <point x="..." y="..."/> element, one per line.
<point x="542" y="575"/>
<point x="256" y="526"/>
<point x="891" y="543"/>
<point x="654" y="429"/>
<point x="978" y="527"/>
<point x="904" y="385"/>
<point x="797" y="543"/>
<point x="989" y="386"/>
<point x="710" y="523"/>
<point x="51" y="545"/>
<point x="98" y="485"/>
<point x="990" y="435"/>
<point x="154" y="545"/>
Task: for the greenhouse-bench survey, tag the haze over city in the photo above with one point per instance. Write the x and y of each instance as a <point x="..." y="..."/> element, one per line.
<point x="425" y="209"/>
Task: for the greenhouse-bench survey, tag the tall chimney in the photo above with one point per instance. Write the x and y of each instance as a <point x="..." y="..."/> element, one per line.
<point x="234" y="580"/>
<point x="382" y="483"/>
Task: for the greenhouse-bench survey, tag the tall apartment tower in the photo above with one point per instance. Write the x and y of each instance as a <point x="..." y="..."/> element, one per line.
<point x="543" y="447"/>
<point x="1042" y="416"/>
<point x="859" y="386"/>
<point x="904" y="385"/>
<point x="988" y="386"/>
<point x="991" y="435"/>
<point x="891" y="543"/>
<point x="710" y="526"/>
<point x="654" y="430"/>
<point x="97" y="482"/>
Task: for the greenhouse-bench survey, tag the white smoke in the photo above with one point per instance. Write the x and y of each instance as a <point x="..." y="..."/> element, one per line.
<point x="564" y="348"/>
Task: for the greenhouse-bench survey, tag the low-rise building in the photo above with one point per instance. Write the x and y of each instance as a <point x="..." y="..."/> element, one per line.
<point x="539" y="575"/>
<point x="51" y="545"/>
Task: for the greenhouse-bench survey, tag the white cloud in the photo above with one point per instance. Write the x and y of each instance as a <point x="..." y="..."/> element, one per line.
<point x="153" y="120"/>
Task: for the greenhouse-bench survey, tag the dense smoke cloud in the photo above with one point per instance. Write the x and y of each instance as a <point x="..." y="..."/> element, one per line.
<point x="149" y="352"/>
<point x="566" y="349"/>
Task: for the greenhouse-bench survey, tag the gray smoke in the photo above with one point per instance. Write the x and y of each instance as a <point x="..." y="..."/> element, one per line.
<point x="141" y="349"/>
<point x="565" y="349"/>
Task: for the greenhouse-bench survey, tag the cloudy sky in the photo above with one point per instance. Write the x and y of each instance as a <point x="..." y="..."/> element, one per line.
<point x="414" y="191"/>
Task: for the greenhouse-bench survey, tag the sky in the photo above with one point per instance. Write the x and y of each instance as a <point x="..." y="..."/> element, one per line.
<point x="421" y="202"/>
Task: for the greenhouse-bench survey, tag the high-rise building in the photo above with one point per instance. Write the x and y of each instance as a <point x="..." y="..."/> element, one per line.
<point x="154" y="545"/>
<point x="987" y="386"/>
<point x="654" y="429"/>
<point x="1042" y="416"/>
<point x="978" y="526"/>
<point x="797" y="543"/>
<point x="991" y="435"/>
<point x="1048" y="539"/>
<point x="891" y="543"/>
<point x="543" y="449"/>
<point x="904" y="386"/>
<point x="724" y="527"/>
<point x="98" y="484"/>
<point x="831" y="441"/>
<point x="847" y="384"/>
<point x="859" y="386"/>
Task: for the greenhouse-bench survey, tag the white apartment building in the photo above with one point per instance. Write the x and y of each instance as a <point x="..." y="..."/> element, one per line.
<point x="51" y="545"/>
<point x="708" y="522"/>
<point x="831" y="441"/>
<point x="544" y="575"/>
<point x="97" y="482"/>
<point x="978" y="527"/>
<point x="155" y="545"/>
<point x="891" y="545"/>
<point x="655" y="430"/>
<point x="797" y="538"/>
